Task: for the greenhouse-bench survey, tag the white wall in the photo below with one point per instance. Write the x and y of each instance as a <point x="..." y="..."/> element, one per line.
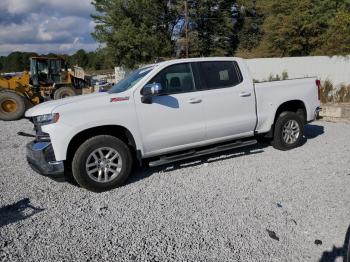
<point x="336" y="69"/>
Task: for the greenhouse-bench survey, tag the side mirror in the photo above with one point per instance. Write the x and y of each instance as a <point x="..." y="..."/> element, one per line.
<point x="150" y="90"/>
<point x="153" y="89"/>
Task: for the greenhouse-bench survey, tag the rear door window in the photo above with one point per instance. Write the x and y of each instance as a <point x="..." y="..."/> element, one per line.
<point x="218" y="74"/>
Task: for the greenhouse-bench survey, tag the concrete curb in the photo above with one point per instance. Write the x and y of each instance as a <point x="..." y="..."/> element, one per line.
<point x="336" y="110"/>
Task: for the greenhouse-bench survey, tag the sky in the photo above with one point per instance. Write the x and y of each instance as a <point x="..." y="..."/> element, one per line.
<point x="44" y="26"/>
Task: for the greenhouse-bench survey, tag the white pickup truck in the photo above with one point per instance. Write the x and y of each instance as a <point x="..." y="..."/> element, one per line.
<point x="164" y="113"/>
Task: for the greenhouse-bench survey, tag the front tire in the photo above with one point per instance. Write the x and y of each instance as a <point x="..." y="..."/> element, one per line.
<point x="102" y="163"/>
<point x="288" y="132"/>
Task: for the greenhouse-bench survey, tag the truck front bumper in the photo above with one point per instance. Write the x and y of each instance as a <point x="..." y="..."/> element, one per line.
<point x="41" y="158"/>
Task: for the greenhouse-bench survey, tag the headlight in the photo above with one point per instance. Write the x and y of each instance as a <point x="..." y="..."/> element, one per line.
<point x="47" y="119"/>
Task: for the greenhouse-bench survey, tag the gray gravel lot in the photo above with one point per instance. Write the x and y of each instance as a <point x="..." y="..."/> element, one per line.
<point x="225" y="207"/>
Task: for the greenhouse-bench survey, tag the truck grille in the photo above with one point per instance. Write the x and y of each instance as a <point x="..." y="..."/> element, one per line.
<point x="40" y="135"/>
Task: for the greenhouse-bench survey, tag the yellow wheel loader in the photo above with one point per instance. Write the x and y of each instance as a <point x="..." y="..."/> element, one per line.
<point x="49" y="78"/>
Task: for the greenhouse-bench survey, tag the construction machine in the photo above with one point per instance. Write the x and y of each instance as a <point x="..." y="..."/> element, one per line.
<point x="49" y="78"/>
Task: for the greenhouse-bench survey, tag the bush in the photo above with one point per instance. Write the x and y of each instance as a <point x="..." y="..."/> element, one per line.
<point x="277" y="77"/>
<point x="326" y="91"/>
<point x="329" y="94"/>
<point x="343" y="94"/>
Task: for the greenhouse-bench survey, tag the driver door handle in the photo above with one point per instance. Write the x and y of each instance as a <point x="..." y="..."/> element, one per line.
<point x="194" y="101"/>
<point x="245" y="94"/>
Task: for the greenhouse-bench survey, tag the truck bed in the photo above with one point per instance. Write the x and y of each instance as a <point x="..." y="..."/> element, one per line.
<point x="270" y="95"/>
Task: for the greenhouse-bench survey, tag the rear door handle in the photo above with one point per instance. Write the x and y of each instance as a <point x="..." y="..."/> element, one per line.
<point x="245" y="94"/>
<point x="194" y="101"/>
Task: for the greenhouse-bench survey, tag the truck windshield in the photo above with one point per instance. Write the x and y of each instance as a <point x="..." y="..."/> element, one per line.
<point x="130" y="81"/>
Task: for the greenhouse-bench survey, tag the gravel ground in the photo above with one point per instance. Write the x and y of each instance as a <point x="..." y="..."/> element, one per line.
<point x="254" y="204"/>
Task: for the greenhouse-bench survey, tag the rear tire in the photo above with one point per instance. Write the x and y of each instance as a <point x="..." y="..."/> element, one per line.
<point x="102" y="163"/>
<point x="288" y="132"/>
<point x="63" y="92"/>
<point x="12" y="105"/>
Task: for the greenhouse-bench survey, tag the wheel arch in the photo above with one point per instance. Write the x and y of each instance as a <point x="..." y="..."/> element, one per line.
<point x="118" y="131"/>
<point x="297" y="106"/>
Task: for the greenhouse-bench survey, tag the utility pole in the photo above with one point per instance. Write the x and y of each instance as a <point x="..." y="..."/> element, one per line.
<point x="186" y="28"/>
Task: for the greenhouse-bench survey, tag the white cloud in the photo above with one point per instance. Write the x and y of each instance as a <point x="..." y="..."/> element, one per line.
<point x="48" y="29"/>
<point x="16" y="33"/>
<point x="68" y="7"/>
<point x="17" y="6"/>
<point x="46" y="25"/>
<point x="42" y="33"/>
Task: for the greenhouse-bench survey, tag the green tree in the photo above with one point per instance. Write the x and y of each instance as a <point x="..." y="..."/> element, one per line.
<point x="290" y="28"/>
<point x="211" y="27"/>
<point x="134" y="31"/>
<point x="249" y="26"/>
<point x="16" y="61"/>
<point x="2" y="59"/>
<point x="336" y="40"/>
<point x="299" y="28"/>
<point x="80" y="58"/>
<point x="100" y="59"/>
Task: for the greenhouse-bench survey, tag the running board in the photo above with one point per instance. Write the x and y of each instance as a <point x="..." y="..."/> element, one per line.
<point x="195" y="153"/>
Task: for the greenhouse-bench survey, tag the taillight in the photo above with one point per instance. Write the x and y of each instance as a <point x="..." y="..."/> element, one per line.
<point x="318" y="84"/>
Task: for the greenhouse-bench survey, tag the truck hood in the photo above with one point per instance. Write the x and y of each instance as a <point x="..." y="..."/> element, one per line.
<point x="49" y="107"/>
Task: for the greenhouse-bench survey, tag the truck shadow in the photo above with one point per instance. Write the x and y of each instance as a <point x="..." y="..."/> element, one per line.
<point x="18" y="211"/>
<point x="144" y="172"/>
<point x="338" y="252"/>
<point x="311" y="132"/>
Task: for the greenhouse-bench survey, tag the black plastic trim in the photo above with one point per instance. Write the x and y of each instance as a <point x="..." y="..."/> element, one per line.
<point x="41" y="158"/>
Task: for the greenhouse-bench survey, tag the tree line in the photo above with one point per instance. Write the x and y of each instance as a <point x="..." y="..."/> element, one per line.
<point x="135" y="32"/>
<point x="19" y="61"/>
